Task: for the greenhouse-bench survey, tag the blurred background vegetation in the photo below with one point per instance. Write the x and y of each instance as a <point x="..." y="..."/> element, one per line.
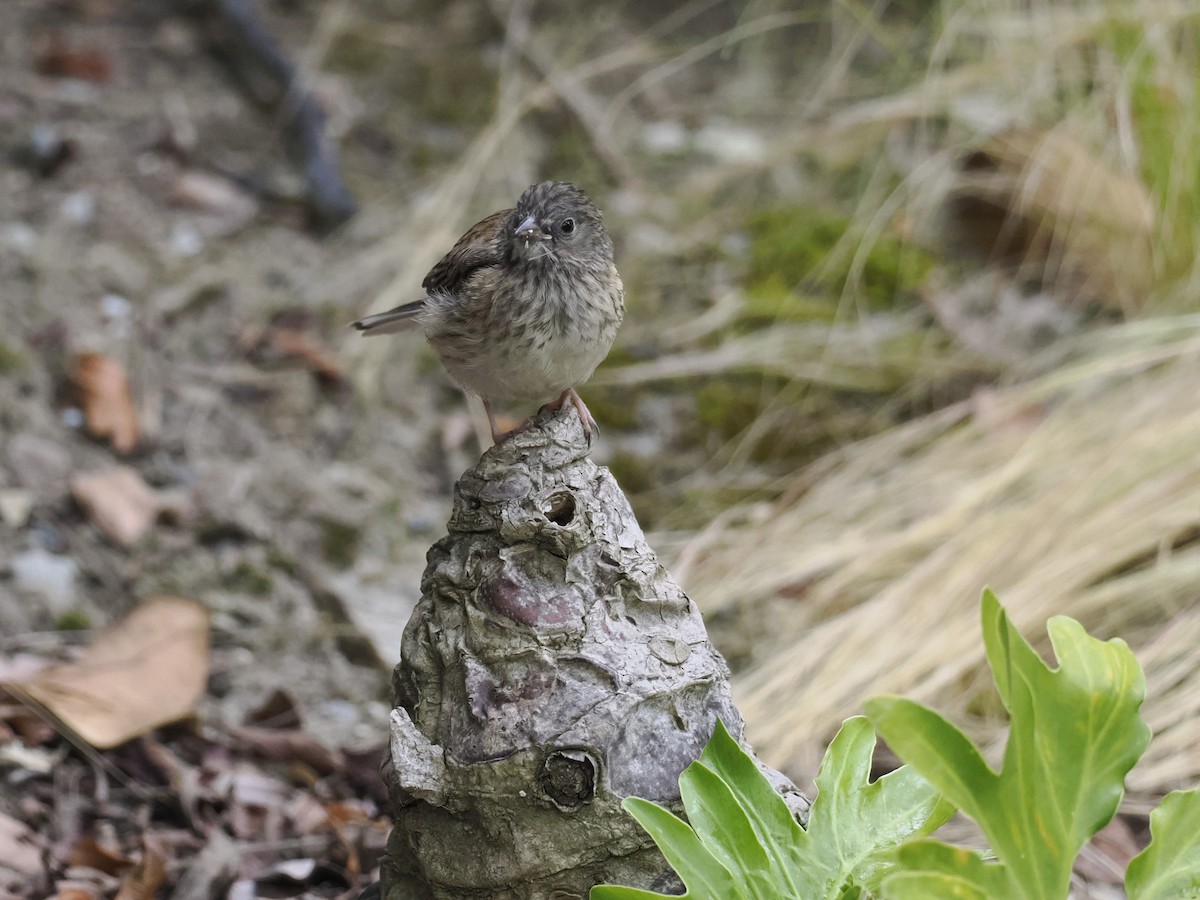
<point x="912" y="310"/>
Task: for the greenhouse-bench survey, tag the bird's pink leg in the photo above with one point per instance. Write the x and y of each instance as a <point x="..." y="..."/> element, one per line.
<point x="585" y="417"/>
<point x="497" y="434"/>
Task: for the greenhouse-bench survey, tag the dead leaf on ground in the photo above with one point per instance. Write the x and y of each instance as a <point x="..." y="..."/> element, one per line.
<point x="277" y="711"/>
<point x="297" y="345"/>
<point x="120" y="502"/>
<point x="147" y="669"/>
<point x="291" y="745"/>
<point x="77" y="890"/>
<point x="305" y="873"/>
<point x="225" y="206"/>
<point x="87" y="852"/>
<point x="288" y="338"/>
<point x="59" y="59"/>
<point x="144" y="880"/>
<point x="107" y="403"/>
<point x="257" y="805"/>
<point x="18" y="847"/>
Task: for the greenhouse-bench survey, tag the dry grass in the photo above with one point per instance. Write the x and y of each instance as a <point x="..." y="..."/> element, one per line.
<point x="1075" y="494"/>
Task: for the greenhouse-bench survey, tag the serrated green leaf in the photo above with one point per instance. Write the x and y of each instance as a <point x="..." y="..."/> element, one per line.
<point x="724" y="828"/>
<point x="1075" y="734"/>
<point x="855" y="825"/>
<point x="744" y="829"/>
<point x="1169" y="867"/>
<point x="617" y="892"/>
<point x="774" y="825"/>
<point x="948" y="758"/>
<point x="700" y="871"/>
<point x="931" y="870"/>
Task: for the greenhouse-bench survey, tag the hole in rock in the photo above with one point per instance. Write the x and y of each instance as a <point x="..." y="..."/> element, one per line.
<point x="559" y="508"/>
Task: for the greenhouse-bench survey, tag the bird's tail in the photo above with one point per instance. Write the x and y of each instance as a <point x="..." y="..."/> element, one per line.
<point x="402" y="318"/>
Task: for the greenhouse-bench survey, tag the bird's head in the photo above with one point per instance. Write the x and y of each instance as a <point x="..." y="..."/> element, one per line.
<point x="557" y="220"/>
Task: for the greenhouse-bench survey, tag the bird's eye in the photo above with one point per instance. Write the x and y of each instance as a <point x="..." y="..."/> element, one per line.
<point x="567" y="226"/>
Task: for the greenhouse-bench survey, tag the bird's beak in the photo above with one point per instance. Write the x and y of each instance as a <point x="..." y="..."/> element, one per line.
<point x="529" y="230"/>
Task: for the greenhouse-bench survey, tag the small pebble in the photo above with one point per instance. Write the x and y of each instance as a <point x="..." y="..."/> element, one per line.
<point x="185" y="240"/>
<point x="20" y="237"/>
<point x="115" y="307"/>
<point x="664" y="137"/>
<point x="731" y="143"/>
<point x="15" y="506"/>
<point x="47" y="574"/>
<point x="78" y="208"/>
<point x="339" y="710"/>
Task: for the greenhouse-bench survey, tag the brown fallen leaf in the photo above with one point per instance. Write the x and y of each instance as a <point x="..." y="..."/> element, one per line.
<point x="145" y="670"/>
<point x="60" y="60"/>
<point x="77" y="890"/>
<point x="288" y="337"/>
<point x="107" y="403"/>
<point x="290" y="745"/>
<point x="226" y="205"/>
<point x="120" y="502"/>
<point x="87" y="852"/>
<point x="297" y="345"/>
<point x="256" y="810"/>
<point x="144" y="880"/>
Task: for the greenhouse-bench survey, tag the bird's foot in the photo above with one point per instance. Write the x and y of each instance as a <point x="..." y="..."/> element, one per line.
<point x="585" y="416"/>
<point x="568" y="396"/>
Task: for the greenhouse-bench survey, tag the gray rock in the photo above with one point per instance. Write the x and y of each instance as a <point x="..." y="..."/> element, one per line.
<point x="47" y="574"/>
<point x="551" y="669"/>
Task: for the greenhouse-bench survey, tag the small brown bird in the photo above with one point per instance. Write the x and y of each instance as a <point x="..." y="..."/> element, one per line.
<point x="526" y="304"/>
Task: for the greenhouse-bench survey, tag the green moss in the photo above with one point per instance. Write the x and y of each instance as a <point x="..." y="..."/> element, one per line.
<point x="571" y="155"/>
<point x="355" y="53"/>
<point x="459" y="94"/>
<point x="73" y="620"/>
<point x="276" y="559"/>
<point x="247" y="579"/>
<point x="613" y="407"/>
<point x="774" y="300"/>
<point x="635" y="474"/>
<point x="11" y="361"/>
<point x="339" y="542"/>
<point x="798" y="250"/>
<point x="730" y="405"/>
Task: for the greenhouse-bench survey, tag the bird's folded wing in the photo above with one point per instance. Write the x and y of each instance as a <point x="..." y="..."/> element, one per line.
<point x="480" y="247"/>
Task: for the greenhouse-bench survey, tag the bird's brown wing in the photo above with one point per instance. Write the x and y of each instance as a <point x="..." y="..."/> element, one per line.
<point x="479" y="248"/>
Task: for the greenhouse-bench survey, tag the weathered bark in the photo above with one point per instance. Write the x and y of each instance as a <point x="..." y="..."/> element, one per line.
<point x="551" y="669"/>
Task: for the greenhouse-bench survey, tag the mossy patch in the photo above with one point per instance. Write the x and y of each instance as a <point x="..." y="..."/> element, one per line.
<point x="800" y="266"/>
<point x="339" y="542"/>
<point x="462" y="94"/>
<point x="247" y="579"/>
<point x="11" y="361"/>
<point x="355" y="53"/>
<point x="73" y="620"/>
<point x="635" y="474"/>
<point x="570" y="154"/>
<point x="730" y="405"/>
<point x="613" y="407"/>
